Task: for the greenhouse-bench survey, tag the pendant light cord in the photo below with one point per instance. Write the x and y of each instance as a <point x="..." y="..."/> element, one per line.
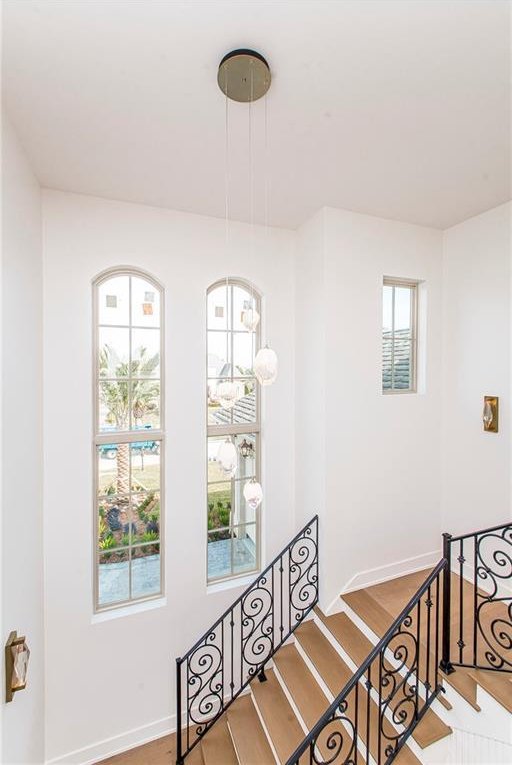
<point x="226" y="158"/>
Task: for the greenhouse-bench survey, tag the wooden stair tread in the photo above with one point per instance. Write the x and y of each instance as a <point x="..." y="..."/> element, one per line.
<point x="217" y="745"/>
<point x="392" y="596"/>
<point x="251" y="744"/>
<point x="335" y="674"/>
<point x="311" y="701"/>
<point x="282" y="725"/>
<point x="431" y="728"/>
<point x="377" y="618"/>
<point x="498" y="686"/>
<point x="324" y="656"/>
<point x="196" y="756"/>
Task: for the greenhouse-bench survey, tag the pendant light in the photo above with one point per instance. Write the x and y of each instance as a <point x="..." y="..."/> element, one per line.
<point x="227" y="458"/>
<point x="227" y="394"/>
<point x="253" y="493"/>
<point x="244" y="76"/>
<point x="248" y="80"/>
<point x="250" y="318"/>
<point x="265" y="366"/>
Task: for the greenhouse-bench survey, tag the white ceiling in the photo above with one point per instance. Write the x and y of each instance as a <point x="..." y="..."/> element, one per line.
<point x="399" y="109"/>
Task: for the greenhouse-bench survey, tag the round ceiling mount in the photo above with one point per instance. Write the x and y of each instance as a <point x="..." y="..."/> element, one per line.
<point x="244" y="75"/>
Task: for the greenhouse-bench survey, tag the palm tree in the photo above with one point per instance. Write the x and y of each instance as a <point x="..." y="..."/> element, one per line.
<point x="115" y="397"/>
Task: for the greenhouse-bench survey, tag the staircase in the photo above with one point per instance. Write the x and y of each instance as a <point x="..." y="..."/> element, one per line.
<point x="322" y="698"/>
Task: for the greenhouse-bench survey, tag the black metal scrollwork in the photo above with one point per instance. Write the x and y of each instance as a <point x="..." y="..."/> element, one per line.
<point x="236" y="648"/>
<point x="493" y="615"/>
<point x="257" y="626"/>
<point x="303" y="574"/>
<point x="204" y="679"/>
<point x="370" y="719"/>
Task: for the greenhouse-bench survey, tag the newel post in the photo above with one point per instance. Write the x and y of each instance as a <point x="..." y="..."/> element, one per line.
<point x="445" y="663"/>
<point x="179" y="752"/>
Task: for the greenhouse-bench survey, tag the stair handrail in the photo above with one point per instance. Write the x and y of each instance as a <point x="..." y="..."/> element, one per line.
<point x="258" y="622"/>
<point x="335" y="713"/>
<point x="484" y="560"/>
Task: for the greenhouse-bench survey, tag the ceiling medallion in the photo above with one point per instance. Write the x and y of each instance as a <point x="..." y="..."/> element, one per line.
<point x="244" y="75"/>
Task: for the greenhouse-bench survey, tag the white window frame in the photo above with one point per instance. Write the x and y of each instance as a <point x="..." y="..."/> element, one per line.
<point x="123" y="437"/>
<point x="413" y="285"/>
<point x="236" y="429"/>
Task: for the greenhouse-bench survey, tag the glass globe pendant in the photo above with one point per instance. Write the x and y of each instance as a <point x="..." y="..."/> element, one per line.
<point x="253" y="493"/>
<point x="250" y="319"/>
<point x="227" y="394"/>
<point x="265" y="366"/>
<point x="227" y="458"/>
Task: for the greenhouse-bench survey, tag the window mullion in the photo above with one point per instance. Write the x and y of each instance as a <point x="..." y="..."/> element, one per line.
<point x="393" y="338"/>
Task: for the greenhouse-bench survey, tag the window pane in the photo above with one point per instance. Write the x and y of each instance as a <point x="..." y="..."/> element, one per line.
<point x="113" y="405"/>
<point x="245" y="407"/>
<point x="217" y="308"/>
<point x="243" y="345"/>
<point x="113" y="352"/>
<point x="113" y="301"/>
<point x="242" y="300"/>
<point x="145" y="303"/>
<point x="219" y="358"/>
<point x="145" y="464"/>
<point x="113" y="578"/>
<point x="402" y="363"/>
<point x="145" y="404"/>
<point x="402" y="308"/>
<point x="247" y="464"/>
<point x="217" y="415"/>
<point x="113" y="515"/>
<point x="243" y="513"/>
<point x="244" y="549"/>
<point x="219" y="554"/>
<point x="215" y="473"/>
<point x="113" y="473"/>
<point x="146" y="571"/>
<point x="146" y="516"/>
<point x="386" y="361"/>
<point x="387" y="308"/>
<point x="145" y="353"/>
<point x="219" y="504"/>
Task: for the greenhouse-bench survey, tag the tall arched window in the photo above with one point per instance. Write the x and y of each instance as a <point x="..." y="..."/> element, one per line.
<point x="233" y="415"/>
<point x="128" y="438"/>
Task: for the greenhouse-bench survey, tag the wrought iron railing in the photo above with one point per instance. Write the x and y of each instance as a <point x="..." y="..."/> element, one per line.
<point x="211" y="675"/>
<point x="379" y="708"/>
<point x="478" y="600"/>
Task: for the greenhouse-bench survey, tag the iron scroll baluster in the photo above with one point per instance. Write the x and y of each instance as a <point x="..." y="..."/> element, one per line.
<point x="256" y="625"/>
<point x="485" y="590"/>
<point x="405" y="691"/>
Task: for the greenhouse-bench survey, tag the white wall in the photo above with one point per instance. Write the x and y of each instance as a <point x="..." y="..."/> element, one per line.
<point x="21" y="413"/>
<point x="476" y="362"/>
<point x="111" y="677"/>
<point x="381" y="453"/>
<point x="310" y="355"/>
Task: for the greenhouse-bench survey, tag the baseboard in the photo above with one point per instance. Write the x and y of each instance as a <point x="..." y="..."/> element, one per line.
<point x="117" y="744"/>
<point x="384" y="573"/>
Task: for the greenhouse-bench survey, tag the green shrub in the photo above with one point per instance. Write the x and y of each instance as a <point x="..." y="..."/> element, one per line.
<point x="149" y="536"/>
<point x="108" y="542"/>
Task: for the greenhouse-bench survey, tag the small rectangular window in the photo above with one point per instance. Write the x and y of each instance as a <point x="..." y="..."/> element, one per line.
<point x="399" y="336"/>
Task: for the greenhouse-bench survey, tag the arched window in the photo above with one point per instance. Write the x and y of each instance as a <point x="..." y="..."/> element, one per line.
<point x="128" y="438"/>
<point x="233" y="417"/>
